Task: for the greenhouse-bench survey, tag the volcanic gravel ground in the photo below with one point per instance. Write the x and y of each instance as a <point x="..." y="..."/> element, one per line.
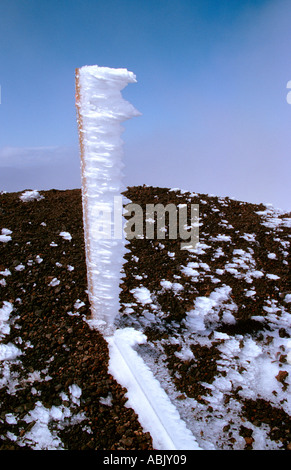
<point x="62" y="370"/>
<point x="60" y="352"/>
<point x="244" y="248"/>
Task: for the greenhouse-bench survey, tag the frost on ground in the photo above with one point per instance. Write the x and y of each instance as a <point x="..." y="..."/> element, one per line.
<point x="43" y="423"/>
<point x="220" y="343"/>
<point x="55" y="389"/>
<point x="210" y="325"/>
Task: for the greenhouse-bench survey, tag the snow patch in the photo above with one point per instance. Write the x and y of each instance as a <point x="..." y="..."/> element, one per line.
<point x="142" y="295"/>
<point x="31" y="195"/>
<point x="54" y="282"/>
<point x="66" y="235"/>
<point x="207" y="310"/>
<point x="5" y="235"/>
<point x="5" y="312"/>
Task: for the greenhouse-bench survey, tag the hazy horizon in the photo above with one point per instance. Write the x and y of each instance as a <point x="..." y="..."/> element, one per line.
<point x="211" y="86"/>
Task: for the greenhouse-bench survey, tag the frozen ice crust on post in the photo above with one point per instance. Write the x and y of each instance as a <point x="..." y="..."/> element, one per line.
<point x="100" y="111"/>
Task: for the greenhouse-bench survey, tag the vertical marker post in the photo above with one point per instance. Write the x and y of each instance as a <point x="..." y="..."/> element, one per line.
<point x="100" y="111"/>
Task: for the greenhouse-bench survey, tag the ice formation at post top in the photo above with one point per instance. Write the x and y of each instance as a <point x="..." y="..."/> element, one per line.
<point x="101" y="109"/>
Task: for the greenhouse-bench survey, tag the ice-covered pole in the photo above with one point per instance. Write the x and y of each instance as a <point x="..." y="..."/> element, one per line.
<point x="100" y="111"/>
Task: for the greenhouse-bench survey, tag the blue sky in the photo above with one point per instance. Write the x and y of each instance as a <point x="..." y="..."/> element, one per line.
<point x="211" y="88"/>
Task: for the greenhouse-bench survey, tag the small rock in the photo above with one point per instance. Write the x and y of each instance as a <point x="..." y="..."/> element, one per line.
<point x="249" y="441"/>
<point x="127" y="441"/>
<point x="282" y="375"/>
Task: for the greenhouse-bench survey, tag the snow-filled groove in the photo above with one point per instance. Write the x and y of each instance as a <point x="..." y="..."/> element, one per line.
<point x="156" y="413"/>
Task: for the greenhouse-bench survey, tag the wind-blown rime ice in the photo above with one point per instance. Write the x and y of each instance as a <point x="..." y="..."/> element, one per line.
<point x="101" y="110"/>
